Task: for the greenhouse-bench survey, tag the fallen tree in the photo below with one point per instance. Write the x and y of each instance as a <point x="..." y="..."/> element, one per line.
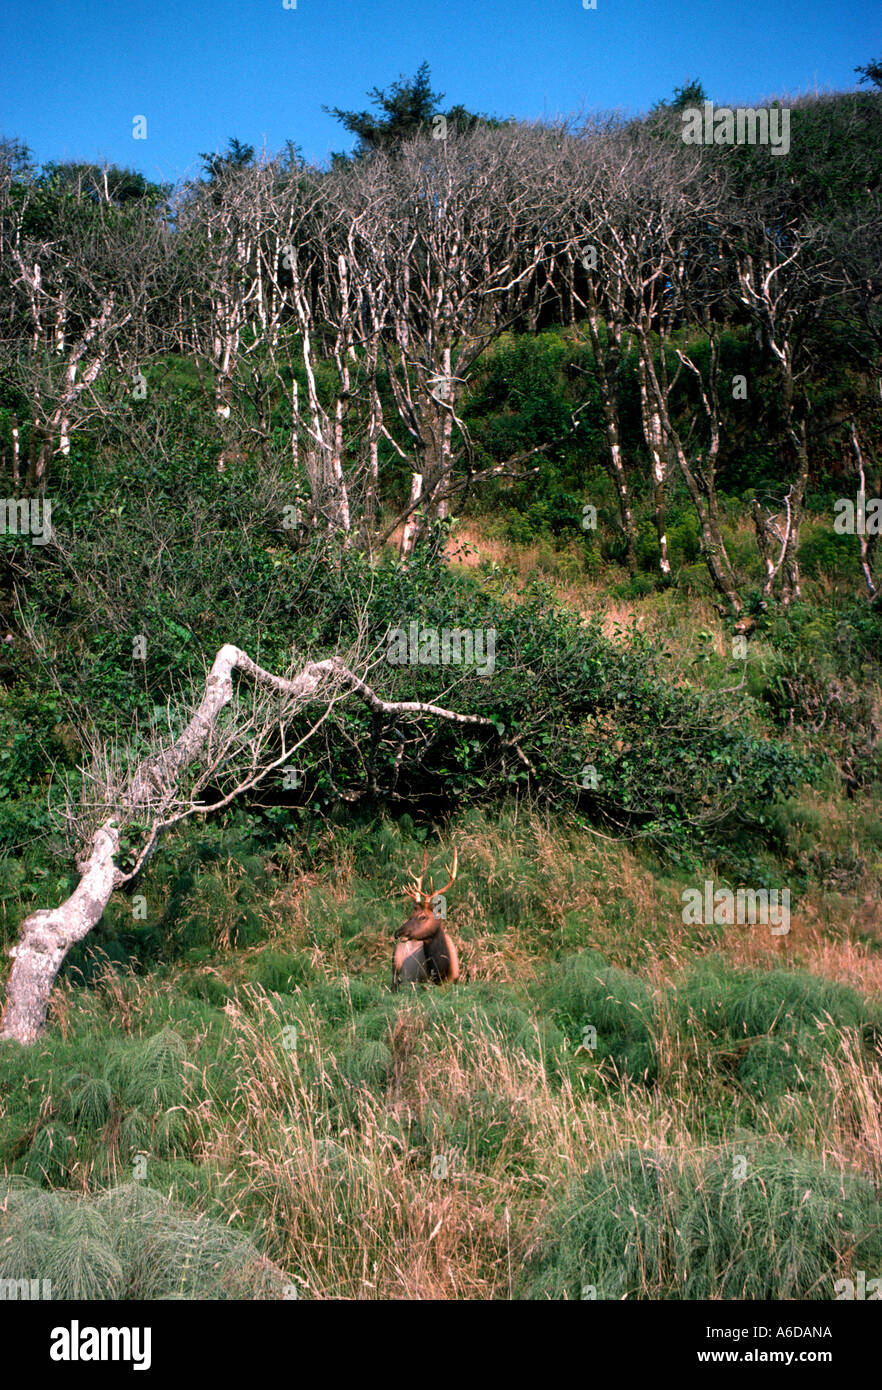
<point x="156" y="795"/>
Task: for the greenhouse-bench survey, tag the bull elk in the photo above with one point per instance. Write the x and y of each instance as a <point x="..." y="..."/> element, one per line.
<point x="425" y="953"/>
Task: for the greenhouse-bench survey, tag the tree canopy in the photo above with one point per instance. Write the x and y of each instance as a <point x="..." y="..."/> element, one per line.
<point x="409" y="108"/>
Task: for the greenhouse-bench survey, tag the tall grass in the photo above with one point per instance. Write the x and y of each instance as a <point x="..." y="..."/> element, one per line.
<point x="281" y="1116"/>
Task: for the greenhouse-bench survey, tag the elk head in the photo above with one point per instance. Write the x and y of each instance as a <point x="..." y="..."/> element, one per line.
<point x="425" y="952"/>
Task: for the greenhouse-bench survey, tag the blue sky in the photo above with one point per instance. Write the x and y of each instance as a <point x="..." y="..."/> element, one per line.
<point x="74" y="73"/>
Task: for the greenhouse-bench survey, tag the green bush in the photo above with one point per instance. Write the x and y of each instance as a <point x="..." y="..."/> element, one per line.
<point x="126" y="1243"/>
<point x="772" y="1030"/>
<point x="823" y="551"/>
<point x="614" y="1233"/>
<point x="756" y="1222"/>
<point x="745" y="1004"/>
<point x="583" y="991"/>
<point x="368" y="1063"/>
<point x="684" y="540"/>
<point x="784" y="1230"/>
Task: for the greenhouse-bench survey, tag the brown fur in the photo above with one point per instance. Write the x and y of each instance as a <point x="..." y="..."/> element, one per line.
<point x="425" y="952"/>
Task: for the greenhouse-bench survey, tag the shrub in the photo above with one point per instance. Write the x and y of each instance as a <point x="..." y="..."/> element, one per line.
<point x="823" y="550"/>
<point x="126" y="1243"/>
<point x="584" y="991"/>
<point x="782" y="1231"/>
<point x="756" y="1223"/>
<point x="368" y="1063"/>
<point x="614" y="1232"/>
<point x="742" y="1004"/>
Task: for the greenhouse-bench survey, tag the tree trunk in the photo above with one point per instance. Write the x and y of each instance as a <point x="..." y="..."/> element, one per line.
<point x="790" y="588"/>
<point x="411" y="524"/>
<point x="867" y="544"/>
<point x="607" y="356"/>
<point x="700" y="483"/>
<point x="16" y="455"/>
<point x="655" y="443"/>
<point x="48" y="934"/>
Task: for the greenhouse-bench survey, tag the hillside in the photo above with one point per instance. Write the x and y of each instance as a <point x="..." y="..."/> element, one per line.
<point x="653" y="738"/>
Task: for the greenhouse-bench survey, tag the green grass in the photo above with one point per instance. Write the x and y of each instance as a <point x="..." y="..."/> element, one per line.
<point x="126" y="1242"/>
<point x="754" y="1222"/>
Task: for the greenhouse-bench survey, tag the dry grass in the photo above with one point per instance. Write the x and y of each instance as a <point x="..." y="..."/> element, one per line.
<point x="365" y="1211"/>
<point x="367" y="1215"/>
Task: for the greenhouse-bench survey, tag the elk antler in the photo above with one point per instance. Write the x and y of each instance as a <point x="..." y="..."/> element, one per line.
<point x="416" y="892"/>
<point x="441" y="891"/>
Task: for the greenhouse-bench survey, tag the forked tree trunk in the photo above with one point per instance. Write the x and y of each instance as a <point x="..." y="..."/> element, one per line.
<point x="713" y="548"/>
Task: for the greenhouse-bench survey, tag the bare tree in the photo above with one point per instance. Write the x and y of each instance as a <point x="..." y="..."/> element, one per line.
<point x="659" y="216"/>
<point x="784" y="280"/>
<point x="444" y="239"/>
<point x="219" y="226"/>
<point x="82" y="285"/>
<point x="579" y="178"/>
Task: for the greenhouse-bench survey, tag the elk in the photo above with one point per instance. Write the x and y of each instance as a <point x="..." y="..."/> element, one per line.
<point x="425" y="953"/>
